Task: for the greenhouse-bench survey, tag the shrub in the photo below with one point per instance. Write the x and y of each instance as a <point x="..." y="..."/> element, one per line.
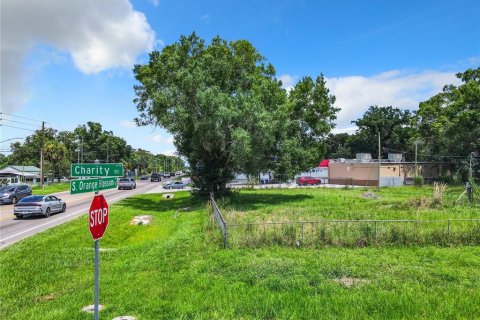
<point x="418" y="181"/>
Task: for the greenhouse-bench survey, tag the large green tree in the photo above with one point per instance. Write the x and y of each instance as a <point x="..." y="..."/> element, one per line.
<point x="394" y="126"/>
<point x="227" y="111"/>
<point x="448" y="123"/>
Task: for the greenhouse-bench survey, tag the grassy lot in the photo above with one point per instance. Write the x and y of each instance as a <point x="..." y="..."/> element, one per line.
<point x="175" y="269"/>
<point x="51" y="188"/>
<point x="265" y="218"/>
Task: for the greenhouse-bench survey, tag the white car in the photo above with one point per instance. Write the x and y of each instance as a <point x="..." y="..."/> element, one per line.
<point x="39" y="205"/>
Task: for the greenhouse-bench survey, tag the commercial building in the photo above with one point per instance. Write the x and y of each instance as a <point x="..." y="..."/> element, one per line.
<point x="363" y="171"/>
<point x="17" y="174"/>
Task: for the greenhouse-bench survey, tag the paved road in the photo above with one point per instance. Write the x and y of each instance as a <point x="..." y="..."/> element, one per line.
<point x="13" y="229"/>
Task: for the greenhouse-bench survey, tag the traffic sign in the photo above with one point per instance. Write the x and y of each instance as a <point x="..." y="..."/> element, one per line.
<point x="96" y="170"/>
<point x="98" y="217"/>
<point x="92" y="184"/>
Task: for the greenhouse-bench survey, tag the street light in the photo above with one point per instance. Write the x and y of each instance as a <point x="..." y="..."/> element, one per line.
<point x="80" y="148"/>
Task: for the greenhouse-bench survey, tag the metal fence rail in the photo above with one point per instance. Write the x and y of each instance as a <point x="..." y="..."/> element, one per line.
<point x="220" y="220"/>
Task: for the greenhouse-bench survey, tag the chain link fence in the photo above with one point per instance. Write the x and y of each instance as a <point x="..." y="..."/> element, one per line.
<point x="348" y="233"/>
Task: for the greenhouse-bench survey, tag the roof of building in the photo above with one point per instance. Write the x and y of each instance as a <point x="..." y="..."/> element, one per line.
<point x="20" y="169"/>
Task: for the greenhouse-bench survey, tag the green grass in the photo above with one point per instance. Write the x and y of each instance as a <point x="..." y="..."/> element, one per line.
<point x="176" y="269"/>
<point x="255" y="212"/>
<point x="51" y="188"/>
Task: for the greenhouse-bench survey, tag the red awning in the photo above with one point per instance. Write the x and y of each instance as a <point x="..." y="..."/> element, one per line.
<point x="324" y="163"/>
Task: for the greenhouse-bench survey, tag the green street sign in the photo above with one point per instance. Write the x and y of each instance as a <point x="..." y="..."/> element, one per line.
<point x="96" y="170"/>
<point x="92" y="185"/>
<point x="107" y="183"/>
<point x="83" y="185"/>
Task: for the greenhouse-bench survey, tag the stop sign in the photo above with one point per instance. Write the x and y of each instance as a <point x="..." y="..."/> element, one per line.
<point x="98" y="217"/>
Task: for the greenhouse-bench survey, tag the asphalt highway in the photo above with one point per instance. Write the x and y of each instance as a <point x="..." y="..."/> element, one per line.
<point x="13" y="229"/>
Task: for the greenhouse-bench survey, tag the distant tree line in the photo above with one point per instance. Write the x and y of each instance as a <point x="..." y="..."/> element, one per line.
<point x="445" y="128"/>
<point x="86" y="143"/>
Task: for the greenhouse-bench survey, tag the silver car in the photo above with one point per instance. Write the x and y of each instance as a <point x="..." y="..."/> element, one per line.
<point x="126" y="183"/>
<point x="174" y="185"/>
<point x="39" y="205"/>
<point x="13" y="193"/>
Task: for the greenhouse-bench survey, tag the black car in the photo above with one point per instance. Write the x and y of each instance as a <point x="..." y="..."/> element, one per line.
<point x="155" y="177"/>
<point x="13" y="193"/>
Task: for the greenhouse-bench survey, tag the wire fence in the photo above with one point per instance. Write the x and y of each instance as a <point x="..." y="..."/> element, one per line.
<point x="347" y="233"/>
<point x="220" y="220"/>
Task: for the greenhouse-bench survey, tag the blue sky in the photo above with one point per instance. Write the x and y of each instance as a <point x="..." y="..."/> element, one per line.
<point x="69" y="62"/>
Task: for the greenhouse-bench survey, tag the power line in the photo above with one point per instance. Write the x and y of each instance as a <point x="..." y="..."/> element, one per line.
<point x="4" y="125"/>
<point x="28" y="124"/>
<point x="11" y="115"/>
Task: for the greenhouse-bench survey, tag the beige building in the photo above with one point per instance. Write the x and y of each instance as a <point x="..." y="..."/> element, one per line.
<point x="352" y="172"/>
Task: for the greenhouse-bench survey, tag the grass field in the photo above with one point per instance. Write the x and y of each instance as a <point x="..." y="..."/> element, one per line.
<point x="51" y="188"/>
<point x="175" y="269"/>
<point x="264" y="218"/>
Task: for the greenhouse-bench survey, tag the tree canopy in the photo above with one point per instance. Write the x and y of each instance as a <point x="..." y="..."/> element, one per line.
<point x="228" y="112"/>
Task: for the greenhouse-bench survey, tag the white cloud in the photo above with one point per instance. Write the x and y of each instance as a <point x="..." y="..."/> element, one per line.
<point x="155" y="2"/>
<point x="398" y="88"/>
<point x="170" y="153"/>
<point x="128" y="124"/>
<point x="288" y="81"/>
<point x="158" y="138"/>
<point x="97" y="35"/>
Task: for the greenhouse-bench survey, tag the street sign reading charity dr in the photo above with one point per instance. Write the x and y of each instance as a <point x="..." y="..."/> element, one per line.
<point x="98" y="217"/>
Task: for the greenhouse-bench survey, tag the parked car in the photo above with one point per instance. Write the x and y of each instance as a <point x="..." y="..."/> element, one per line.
<point x="175" y="185"/>
<point x="126" y="183"/>
<point x="166" y="174"/>
<point x="178" y="173"/>
<point x="13" y="193"/>
<point x="39" y="205"/>
<point x="144" y="178"/>
<point x="60" y="179"/>
<point x="155" y="177"/>
<point x="304" y="181"/>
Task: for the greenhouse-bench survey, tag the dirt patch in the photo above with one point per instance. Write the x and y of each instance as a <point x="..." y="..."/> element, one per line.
<point x="421" y="203"/>
<point x="142" y="220"/>
<point x="46" y="297"/>
<point x="370" y="195"/>
<point x="349" y="282"/>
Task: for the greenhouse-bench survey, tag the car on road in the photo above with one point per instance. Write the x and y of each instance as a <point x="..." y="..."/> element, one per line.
<point x="60" y="179"/>
<point x="174" y="185"/>
<point x="166" y="174"/>
<point x="13" y="193"/>
<point x="155" y="177"/>
<point x="126" y="183"/>
<point x="305" y="181"/>
<point x="144" y="177"/>
<point x="39" y="205"/>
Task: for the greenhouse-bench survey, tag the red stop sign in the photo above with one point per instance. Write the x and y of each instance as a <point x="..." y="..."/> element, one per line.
<point x="98" y="217"/>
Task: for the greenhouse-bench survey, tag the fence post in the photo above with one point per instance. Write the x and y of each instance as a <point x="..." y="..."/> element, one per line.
<point x="376" y="236"/>
<point x="225" y="236"/>
<point x="448" y="231"/>
<point x="302" y="232"/>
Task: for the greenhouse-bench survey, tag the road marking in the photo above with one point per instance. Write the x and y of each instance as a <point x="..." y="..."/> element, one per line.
<point x="50" y="222"/>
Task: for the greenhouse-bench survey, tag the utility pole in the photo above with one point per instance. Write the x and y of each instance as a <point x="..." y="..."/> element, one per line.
<point x="379" y="159"/>
<point x="107" y="150"/>
<point x="41" y="154"/>
<point x="470" y="172"/>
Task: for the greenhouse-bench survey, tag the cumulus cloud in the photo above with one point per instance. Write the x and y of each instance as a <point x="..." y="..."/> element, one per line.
<point x="288" y="81"/>
<point x="128" y="124"/>
<point x="397" y="88"/>
<point x="158" y="138"/>
<point x="97" y="35"/>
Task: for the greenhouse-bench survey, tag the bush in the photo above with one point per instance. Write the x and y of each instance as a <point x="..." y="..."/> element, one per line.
<point x="418" y="181"/>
